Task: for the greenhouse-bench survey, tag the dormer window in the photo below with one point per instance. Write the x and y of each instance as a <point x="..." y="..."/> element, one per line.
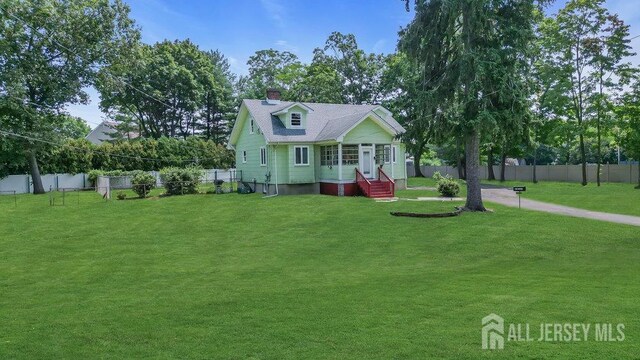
<point x="296" y="119"/>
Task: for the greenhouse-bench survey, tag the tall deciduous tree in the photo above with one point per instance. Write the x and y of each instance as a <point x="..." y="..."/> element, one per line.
<point x="360" y="73"/>
<point x="586" y="45"/>
<point x="479" y="47"/>
<point x="401" y="82"/>
<point x="171" y="89"/>
<point x="49" y="51"/>
<point x="266" y="69"/>
<point x="628" y="112"/>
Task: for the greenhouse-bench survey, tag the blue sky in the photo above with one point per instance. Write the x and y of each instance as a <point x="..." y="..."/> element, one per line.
<point x="238" y="28"/>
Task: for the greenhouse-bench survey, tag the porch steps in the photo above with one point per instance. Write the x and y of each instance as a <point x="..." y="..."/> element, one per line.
<point x="380" y="189"/>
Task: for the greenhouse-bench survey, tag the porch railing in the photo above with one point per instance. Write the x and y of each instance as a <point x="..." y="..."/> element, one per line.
<point x="363" y="183"/>
<point x="382" y="176"/>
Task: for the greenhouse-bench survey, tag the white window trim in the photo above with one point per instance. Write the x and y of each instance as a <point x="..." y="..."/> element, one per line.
<point x="262" y="148"/>
<point x="385" y="159"/>
<point x="251" y="125"/>
<point x="291" y="120"/>
<point x="394" y="154"/>
<point x="301" y="157"/>
<point x="244" y="156"/>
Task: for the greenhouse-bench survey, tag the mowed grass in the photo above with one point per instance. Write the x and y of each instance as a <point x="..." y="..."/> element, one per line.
<point x="416" y="188"/>
<point x="303" y="277"/>
<point x="609" y="197"/>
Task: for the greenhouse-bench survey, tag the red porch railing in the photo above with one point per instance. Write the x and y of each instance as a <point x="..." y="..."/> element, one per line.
<point x="363" y="183"/>
<point x="386" y="179"/>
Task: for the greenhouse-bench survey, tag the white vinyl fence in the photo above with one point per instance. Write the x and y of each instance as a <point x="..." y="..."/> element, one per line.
<point x="22" y="184"/>
<point x="567" y="173"/>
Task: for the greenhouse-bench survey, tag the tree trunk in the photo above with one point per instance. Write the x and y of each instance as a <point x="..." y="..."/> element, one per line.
<point x="416" y="164"/>
<point x="35" y="173"/>
<point x="491" y="174"/>
<point x="638" y="187"/>
<point x="472" y="161"/>
<point x="459" y="155"/>
<point x="599" y="136"/>
<point x="583" y="158"/>
<point x="535" y="164"/>
<point x="503" y="163"/>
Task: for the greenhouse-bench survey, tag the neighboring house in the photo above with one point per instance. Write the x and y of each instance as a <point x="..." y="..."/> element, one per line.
<point x="105" y="132"/>
<point x="296" y="148"/>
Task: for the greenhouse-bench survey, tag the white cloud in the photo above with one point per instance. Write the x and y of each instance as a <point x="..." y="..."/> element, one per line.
<point x="284" y="45"/>
<point x="275" y="10"/>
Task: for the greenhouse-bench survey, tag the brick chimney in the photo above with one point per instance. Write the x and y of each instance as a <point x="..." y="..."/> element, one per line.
<point x="273" y="94"/>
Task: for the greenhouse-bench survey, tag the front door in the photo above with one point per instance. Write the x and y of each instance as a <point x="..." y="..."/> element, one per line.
<point x="366" y="164"/>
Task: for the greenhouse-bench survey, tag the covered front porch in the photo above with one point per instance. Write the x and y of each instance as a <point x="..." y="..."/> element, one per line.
<point x="358" y="169"/>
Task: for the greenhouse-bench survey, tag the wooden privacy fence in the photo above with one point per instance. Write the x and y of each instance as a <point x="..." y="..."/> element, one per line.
<point x="627" y="173"/>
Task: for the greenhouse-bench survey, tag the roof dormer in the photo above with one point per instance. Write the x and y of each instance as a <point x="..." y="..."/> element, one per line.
<point x="294" y="116"/>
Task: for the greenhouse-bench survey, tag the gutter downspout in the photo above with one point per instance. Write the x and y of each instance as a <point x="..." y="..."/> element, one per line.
<point x="275" y="160"/>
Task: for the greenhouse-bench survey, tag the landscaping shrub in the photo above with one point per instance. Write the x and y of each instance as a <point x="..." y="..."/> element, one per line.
<point x="179" y="181"/>
<point x="121" y="195"/>
<point x="446" y="185"/>
<point x="142" y="183"/>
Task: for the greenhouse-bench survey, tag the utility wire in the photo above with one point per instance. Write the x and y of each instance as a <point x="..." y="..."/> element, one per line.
<point x="51" y="37"/>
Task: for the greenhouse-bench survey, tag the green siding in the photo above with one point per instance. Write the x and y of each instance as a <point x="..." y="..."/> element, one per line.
<point x="301" y="174"/>
<point x="250" y="143"/>
<point x="279" y="161"/>
<point x="280" y="158"/>
<point x="368" y="132"/>
<point x="324" y="172"/>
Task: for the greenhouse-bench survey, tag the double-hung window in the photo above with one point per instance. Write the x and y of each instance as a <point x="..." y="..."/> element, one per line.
<point x="394" y="154"/>
<point x="263" y="156"/>
<point x="244" y="156"/>
<point x="301" y="155"/>
<point x="252" y="126"/>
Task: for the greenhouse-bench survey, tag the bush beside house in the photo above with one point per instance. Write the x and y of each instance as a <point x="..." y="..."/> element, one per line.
<point x="179" y="181"/>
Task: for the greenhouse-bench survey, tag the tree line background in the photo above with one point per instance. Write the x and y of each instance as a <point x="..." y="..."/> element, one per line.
<point x="470" y="80"/>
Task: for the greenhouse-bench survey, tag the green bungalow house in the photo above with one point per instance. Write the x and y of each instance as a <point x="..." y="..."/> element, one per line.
<point x="310" y="148"/>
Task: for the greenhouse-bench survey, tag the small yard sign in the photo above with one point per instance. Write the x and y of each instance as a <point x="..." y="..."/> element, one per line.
<point x="519" y="190"/>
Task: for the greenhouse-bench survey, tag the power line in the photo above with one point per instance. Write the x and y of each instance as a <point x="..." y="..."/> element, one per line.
<point x="23" y="101"/>
<point x="49" y="36"/>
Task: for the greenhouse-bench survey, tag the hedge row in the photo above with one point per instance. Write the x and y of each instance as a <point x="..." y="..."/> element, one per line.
<point x="78" y="156"/>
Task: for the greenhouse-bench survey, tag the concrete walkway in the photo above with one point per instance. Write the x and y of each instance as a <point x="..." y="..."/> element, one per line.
<point x="510" y="198"/>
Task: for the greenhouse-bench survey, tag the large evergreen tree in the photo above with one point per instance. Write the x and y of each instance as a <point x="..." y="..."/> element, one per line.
<point x="471" y="56"/>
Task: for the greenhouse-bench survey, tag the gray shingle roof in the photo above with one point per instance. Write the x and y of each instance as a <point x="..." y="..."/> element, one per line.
<point x="325" y="122"/>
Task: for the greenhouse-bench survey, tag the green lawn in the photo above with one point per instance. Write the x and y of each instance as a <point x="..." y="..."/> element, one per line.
<point x="609" y="197"/>
<point x="302" y="277"/>
<point x="424" y="182"/>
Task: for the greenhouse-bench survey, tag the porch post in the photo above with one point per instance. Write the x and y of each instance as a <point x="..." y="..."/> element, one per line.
<point x="391" y="150"/>
<point x="375" y="162"/>
<point x="340" y="161"/>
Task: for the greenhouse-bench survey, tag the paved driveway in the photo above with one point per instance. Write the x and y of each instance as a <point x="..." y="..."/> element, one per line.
<point x="510" y="198"/>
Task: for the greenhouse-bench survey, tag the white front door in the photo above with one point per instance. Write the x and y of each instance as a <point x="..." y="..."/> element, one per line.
<point x="366" y="162"/>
